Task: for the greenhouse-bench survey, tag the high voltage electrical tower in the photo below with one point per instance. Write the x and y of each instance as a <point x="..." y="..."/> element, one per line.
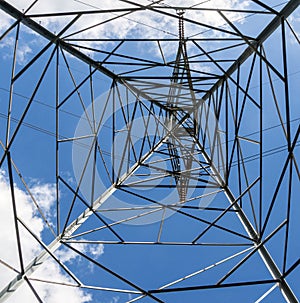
<point x="169" y="131"/>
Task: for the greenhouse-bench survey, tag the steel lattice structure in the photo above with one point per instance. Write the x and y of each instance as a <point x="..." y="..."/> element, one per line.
<point x="179" y="122"/>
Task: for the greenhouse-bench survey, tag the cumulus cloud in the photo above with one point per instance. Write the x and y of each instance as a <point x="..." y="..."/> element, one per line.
<point x="50" y="270"/>
<point x="28" y="213"/>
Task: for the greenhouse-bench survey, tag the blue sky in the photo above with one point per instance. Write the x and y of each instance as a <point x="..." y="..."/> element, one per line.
<point x="148" y="266"/>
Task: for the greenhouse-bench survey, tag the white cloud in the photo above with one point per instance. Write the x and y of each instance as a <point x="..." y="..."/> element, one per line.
<point x="50" y="293"/>
<point x="45" y="195"/>
<point x="27" y="212"/>
<point x="6" y="20"/>
<point x="294" y="21"/>
<point x="23" y="51"/>
<point x="97" y="250"/>
<point x="139" y="24"/>
<point x="115" y="299"/>
<point x="68" y="255"/>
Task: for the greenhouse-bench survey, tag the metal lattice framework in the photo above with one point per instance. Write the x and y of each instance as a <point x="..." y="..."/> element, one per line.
<point x="179" y="121"/>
